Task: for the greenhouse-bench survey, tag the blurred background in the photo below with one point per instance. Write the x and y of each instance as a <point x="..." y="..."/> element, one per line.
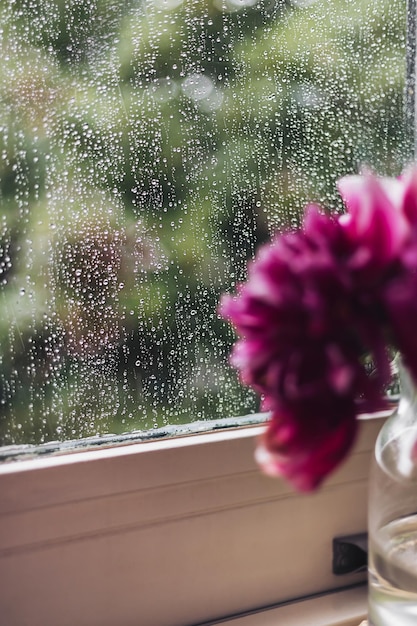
<point x="148" y="147"/>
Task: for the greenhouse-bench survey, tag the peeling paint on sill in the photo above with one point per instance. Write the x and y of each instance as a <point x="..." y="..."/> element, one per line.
<point x="26" y="452"/>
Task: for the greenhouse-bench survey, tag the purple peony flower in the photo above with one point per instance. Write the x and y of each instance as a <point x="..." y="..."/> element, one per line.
<point x="294" y="317"/>
<point x="317" y="301"/>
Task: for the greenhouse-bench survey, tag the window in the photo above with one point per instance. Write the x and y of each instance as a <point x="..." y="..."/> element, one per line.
<point x="286" y="96"/>
<point x="148" y="148"/>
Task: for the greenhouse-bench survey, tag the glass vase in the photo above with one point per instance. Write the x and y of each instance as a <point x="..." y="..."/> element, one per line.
<point x="392" y="525"/>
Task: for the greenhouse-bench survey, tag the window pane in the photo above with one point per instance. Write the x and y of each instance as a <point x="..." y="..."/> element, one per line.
<point x="147" y="149"/>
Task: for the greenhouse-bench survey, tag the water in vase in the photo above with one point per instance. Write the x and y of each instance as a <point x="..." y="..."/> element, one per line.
<point x="393" y="574"/>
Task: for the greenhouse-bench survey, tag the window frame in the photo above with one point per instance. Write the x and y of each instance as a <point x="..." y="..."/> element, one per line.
<point x="122" y="534"/>
<point x="177" y="531"/>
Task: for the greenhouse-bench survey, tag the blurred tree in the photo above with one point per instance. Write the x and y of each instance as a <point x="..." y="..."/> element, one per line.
<point x="147" y="149"/>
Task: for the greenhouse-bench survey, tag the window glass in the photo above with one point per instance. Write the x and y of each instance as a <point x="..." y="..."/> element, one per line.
<point x="148" y="147"/>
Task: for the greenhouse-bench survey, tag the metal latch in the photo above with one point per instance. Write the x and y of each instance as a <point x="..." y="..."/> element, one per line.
<point x="350" y="554"/>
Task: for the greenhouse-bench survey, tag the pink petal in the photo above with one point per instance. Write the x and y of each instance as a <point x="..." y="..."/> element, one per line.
<point x="306" y="467"/>
<point x="409" y="180"/>
<point x="376" y="217"/>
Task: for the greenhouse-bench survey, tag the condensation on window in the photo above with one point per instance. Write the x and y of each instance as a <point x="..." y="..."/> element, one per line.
<point x="148" y="147"/>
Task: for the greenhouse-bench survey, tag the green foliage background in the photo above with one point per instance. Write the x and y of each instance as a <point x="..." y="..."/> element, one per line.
<point x="147" y="150"/>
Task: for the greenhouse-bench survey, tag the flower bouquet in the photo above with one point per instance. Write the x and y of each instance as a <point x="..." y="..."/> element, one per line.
<point x="318" y="303"/>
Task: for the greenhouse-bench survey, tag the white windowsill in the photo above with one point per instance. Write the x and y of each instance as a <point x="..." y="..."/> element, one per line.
<point x="344" y="608"/>
<point x="171" y="533"/>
